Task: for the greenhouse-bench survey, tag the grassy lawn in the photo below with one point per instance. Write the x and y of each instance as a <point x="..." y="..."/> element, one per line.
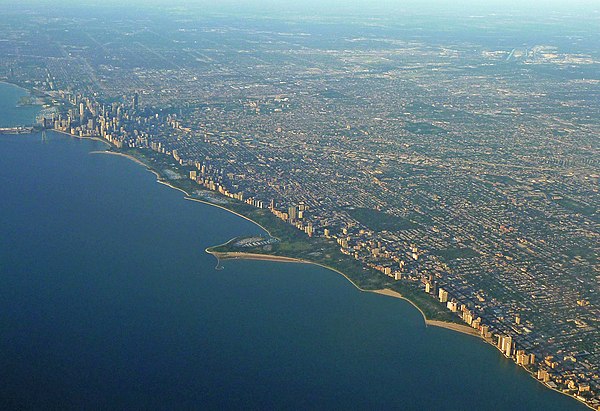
<point x="380" y="221"/>
<point x="456" y="253"/>
<point x="295" y="244"/>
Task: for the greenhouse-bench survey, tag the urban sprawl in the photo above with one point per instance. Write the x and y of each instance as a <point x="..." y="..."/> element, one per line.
<point x="466" y="167"/>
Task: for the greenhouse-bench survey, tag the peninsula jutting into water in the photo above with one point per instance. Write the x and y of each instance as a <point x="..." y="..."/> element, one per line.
<point x="407" y="152"/>
<point x="291" y="240"/>
<point x="109" y="299"/>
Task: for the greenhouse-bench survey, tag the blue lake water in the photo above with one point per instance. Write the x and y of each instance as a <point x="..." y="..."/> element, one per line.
<point x="108" y="300"/>
<point x="12" y="115"/>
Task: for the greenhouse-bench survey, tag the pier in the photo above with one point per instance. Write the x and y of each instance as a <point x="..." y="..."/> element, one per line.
<point x="16" y="130"/>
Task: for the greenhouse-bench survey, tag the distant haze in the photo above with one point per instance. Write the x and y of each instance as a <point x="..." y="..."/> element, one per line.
<point x="342" y="6"/>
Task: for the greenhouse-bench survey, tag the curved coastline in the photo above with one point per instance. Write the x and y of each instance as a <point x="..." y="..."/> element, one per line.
<point x="188" y="197"/>
<point x="385" y="291"/>
<point x="463" y="329"/>
<point x="160" y="180"/>
<point x="41" y="99"/>
<point x="4" y="81"/>
<point x="83" y="138"/>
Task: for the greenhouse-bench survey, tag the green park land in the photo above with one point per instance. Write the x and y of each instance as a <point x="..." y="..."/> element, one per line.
<point x="292" y="242"/>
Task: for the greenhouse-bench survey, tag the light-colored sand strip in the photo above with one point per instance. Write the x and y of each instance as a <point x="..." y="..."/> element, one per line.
<point x="396" y="294"/>
<point x="159" y="179"/>
<point x="80" y="137"/>
<point x="251" y="256"/>
<point x="114" y="153"/>
<point x="386" y="291"/>
<point x="451" y="326"/>
<point x="265" y="257"/>
<point x="232" y="212"/>
<point x="465" y="329"/>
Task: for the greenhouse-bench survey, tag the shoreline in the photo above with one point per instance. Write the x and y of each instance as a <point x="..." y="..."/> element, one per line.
<point x="159" y="179"/>
<point x="459" y="328"/>
<point x="190" y="198"/>
<point x="39" y="98"/>
<point x="81" y="137"/>
<point x="463" y="329"/>
<point x="5" y="81"/>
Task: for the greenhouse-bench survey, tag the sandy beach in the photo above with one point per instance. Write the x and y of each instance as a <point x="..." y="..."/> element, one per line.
<point x="464" y="329"/>
<point x="80" y="137"/>
<point x="251" y="256"/>
<point x="274" y="258"/>
<point x="188" y="197"/>
<point x="159" y="179"/>
<point x="267" y="257"/>
<point x="114" y="153"/>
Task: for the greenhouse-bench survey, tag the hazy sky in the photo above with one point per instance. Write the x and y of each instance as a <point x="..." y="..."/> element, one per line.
<point x="539" y="6"/>
<point x="586" y="10"/>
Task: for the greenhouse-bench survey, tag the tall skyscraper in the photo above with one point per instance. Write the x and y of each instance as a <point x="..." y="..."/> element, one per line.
<point x="136" y="101"/>
<point x="81" y="113"/>
<point x="293" y="213"/>
<point x="505" y="344"/>
<point x="443" y="295"/>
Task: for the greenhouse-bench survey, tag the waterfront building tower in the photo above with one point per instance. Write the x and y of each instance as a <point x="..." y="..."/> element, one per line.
<point x="135" y="101"/>
<point x="507" y="346"/>
<point x="443" y="295"/>
<point x="293" y="213"/>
